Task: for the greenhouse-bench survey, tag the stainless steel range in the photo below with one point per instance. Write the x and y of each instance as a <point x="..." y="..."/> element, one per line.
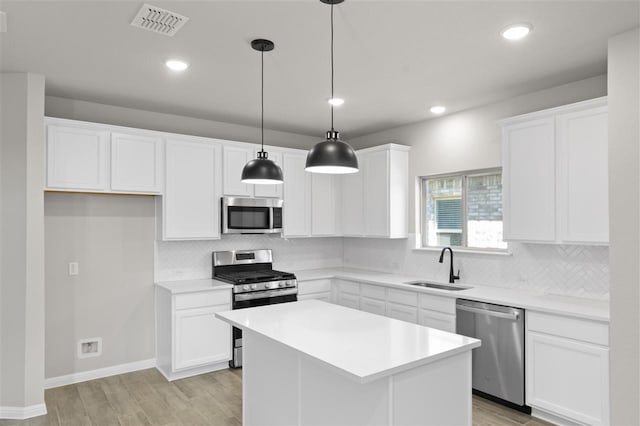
<point x="255" y="283"/>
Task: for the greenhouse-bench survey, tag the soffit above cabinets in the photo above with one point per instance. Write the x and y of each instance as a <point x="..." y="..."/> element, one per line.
<point x="396" y="58"/>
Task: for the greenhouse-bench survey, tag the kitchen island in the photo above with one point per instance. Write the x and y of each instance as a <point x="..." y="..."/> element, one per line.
<point x="312" y="362"/>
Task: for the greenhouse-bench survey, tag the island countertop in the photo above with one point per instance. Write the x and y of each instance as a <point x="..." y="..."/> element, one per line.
<point x="356" y="344"/>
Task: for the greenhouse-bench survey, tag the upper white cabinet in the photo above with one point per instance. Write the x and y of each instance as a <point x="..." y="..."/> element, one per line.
<point x="324" y="205"/>
<point x="296" y="195"/>
<point x="375" y="200"/>
<point x="271" y="191"/>
<point x="76" y="158"/>
<point x="191" y="202"/>
<point x="555" y="175"/>
<point x="136" y="163"/>
<point x="583" y="176"/>
<point x="234" y="159"/>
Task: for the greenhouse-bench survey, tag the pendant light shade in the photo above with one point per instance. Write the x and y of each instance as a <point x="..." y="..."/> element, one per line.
<point x="262" y="171"/>
<point x="332" y="156"/>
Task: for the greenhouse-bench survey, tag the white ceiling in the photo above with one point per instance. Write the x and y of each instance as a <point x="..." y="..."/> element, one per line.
<point x="394" y="59"/>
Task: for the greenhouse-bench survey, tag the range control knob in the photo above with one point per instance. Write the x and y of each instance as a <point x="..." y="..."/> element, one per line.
<point x="254" y="286"/>
<point x="245" y="287"/>
<point x="269" y="285"/>
<point x="282" y="283"/>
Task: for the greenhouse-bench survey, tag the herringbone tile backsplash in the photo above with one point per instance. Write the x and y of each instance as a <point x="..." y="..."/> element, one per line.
<point x="581" y="271"/>
<point x="571" y="270"/>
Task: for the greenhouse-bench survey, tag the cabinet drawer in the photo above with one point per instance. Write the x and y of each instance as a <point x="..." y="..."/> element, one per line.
<point x="402" y="312"/>
<point x="348" y="287"/>
<point x="573" y="328"/>
<point x="445" y="322"/>
<point x="373" y="306"/>
<point x="438" y="303"/>
<point x="349" y="300"/>
<point x="315" y="286"/>
<point x="325" y="296"/>
<point x="404" y="297"/>
<point x="373" y="291"/>
<point x="203" y="298"/>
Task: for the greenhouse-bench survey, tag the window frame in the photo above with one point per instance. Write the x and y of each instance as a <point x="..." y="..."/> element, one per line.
<point x="464" y="175"/>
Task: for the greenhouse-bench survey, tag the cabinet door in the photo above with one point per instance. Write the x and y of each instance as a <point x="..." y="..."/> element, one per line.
<point x="583" y="176"/>
<point x="568" y="377"/>
<point x="437" y="320"/>
<point x="191" y="203"/>
<point x="136" y="163"/>
<point x="348" y="300"/>
<point x="271" y="191"/>
<point x="233" y="161"/>
<point x="200" y="338"/>
<point x="297" y="201"/>
<point x="324" y="296"/>
<point x="529" y="181"/>
<point x="323" y="205"/>
<point x="376" y="193"/>
<point x="352" y="207"/>
<point x="402" y="312"/>
<point x="374" y="306"/>
<point x="76" y="158"/>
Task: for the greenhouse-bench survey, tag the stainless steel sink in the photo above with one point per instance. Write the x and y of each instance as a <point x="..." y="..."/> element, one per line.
<point x="437" y="286"/>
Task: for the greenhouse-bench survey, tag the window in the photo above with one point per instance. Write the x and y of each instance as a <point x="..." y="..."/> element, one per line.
<point x="463" y="210"/>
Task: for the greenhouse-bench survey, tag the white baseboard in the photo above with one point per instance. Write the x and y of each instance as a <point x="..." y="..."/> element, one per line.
<point x="83" y="376"/>
<point x="171" y="376"/>
<point x="552" y="418"/>
<point x="21" y="413"/>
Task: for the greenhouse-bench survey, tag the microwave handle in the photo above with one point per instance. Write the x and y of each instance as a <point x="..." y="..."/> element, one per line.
<point x="271" y="218"/>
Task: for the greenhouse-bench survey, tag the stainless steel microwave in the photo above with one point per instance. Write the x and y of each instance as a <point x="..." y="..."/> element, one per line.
<point x="251" y="215"/>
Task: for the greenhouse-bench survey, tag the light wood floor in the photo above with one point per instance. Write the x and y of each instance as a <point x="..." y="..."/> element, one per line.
<point x="146" y="398"/>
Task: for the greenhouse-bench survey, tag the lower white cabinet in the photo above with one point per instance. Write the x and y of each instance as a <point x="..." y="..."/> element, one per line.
<point x="567" y="369"/>
<point x="445" y="322"/>
<point x="315" y="289"/>
<point x="374" y="306"/>
<point x="190" y="339"/>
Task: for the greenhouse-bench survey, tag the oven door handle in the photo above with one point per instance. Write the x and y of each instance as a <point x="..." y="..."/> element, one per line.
<point x="263" y="294"/>
<point x="515" y="316"/>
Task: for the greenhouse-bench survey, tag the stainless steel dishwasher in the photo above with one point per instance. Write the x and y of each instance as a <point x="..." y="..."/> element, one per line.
<point x="498" y="365"/>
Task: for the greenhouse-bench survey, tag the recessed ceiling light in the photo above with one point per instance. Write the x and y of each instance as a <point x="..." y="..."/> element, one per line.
<point x="176" y="65"/>
<point x="336" y="101"/>
<point x="516" y="32"/>
<point x="438" y="109"/>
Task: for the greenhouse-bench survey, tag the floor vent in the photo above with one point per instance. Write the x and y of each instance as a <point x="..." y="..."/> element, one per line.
<point x="158" y="20"/>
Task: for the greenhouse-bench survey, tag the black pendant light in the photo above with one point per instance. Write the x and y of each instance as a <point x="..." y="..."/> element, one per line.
<point x="262" y="171"/>
<point x="332" y="156"/>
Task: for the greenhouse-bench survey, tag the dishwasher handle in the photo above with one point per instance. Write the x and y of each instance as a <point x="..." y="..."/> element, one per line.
<point x="515" y="316"/>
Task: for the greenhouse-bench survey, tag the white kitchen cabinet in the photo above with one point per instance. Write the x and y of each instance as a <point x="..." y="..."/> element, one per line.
<point x="437" y="312"/>
<point x="76" y="158"/>
<point x="373" y="306"/>
<point x="315" y="289"/>
<point x="136" y="163"/>
<point x="270" y="191"/>
<point x="352" y="208"/>
<point x="234" y="159"/>
<point x="375" y="200"/>
<point x="324" y="205"/>
<point x="583" y="176"/>
<point x="191" y="203"/>
<point x="555" y="184"/>
<point x="296" y="195"/>
<point x="567" y="369"/>
<point x="190" y="339"/>
<point x="402" y="312"/>
<point x="346" y="293"/>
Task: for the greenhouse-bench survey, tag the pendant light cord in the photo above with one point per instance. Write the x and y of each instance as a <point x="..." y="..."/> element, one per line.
<point x="262" y="99"/>
<point x="332" y="67"/>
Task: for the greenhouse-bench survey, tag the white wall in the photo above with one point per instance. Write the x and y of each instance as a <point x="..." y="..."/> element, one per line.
<point x="21" y="241"/>
<point x="624" y="226"/>
<point x="120" y="116"/>
<point x="112" y="238"/>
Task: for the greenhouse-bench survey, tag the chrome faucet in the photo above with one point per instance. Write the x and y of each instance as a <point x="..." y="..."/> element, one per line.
<point x="452" y="277"/>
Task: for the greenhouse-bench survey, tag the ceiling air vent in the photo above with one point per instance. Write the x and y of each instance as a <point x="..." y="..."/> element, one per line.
<point x="157" y="20"/>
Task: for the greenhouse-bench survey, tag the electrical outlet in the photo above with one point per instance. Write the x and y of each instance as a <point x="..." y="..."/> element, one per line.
<point x="90" y="347"/>
<point x="73" y="268"/>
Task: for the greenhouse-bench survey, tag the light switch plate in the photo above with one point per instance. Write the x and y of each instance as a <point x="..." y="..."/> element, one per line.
<point x="73" y="268"/>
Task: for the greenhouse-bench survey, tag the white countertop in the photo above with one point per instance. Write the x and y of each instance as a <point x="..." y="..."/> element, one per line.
<point x="359" y="345"/>
<point x="597" y="310"/>
<point x="190" y="286"/>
